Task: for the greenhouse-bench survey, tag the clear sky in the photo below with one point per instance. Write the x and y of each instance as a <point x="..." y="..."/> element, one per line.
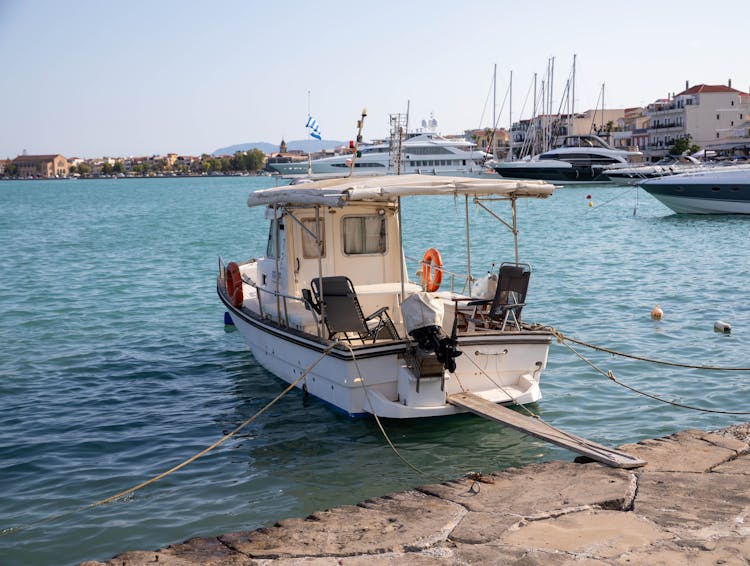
<point x="90" y="78"/>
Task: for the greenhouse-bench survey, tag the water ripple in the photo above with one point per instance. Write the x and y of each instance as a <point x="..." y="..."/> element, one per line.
<point x="115" y="364"/>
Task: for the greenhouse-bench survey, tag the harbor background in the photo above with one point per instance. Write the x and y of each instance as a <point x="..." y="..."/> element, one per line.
<point x="116" y="364"/>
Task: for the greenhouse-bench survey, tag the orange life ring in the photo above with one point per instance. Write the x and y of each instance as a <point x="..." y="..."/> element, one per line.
<point x="234" y="284"/>
<point x="431" y="279"/>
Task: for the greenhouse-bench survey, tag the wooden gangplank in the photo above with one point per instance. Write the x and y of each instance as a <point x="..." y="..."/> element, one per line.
<point x="540" y="429"/>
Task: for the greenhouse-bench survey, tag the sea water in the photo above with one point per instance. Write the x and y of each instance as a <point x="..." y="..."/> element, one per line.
<point x="115" y="363"/>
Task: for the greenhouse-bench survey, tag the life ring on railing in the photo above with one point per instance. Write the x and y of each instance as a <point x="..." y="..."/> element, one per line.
<point x="234" y="284"/>
<point x="432" y="270"/>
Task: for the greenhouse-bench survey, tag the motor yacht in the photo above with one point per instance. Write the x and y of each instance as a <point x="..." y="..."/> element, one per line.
<point x="427" y="153"/>
<point x="716" y="190"/>
<point x="578" y="160"/>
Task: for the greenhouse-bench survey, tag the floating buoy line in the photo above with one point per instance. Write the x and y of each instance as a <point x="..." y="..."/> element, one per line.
<point x="609" y="374"/>
<point x="621" y="194"/>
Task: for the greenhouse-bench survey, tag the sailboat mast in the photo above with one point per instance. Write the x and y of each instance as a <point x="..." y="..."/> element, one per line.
<point x="494" y="103"/>
<point x="602" y="120"/>
<point x="551" y="88"/>
<point x="573" y="96"/>
<point x="510" y="106"/>
<point x="533" y="120"/>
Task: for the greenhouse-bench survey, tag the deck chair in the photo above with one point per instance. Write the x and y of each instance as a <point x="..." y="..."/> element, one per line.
<point x="510" y="296"/>
<point x="343" y="313"/>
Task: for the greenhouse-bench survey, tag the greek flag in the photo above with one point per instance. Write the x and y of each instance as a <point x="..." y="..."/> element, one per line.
<point x="312" y="124"/>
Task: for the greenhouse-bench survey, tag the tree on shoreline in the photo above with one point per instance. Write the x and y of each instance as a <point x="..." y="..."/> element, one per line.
<point x="682" y="145"/>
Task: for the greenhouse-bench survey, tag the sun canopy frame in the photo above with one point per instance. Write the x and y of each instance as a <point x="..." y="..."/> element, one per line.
<point x="339" y="192"/>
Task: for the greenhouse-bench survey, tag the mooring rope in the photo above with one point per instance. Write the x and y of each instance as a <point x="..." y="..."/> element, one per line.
<point x="562" y="339"/>
<point x="571" y="437"/>
<point x="179" y="466"/>
<point x="374" y="414"/>
<point x="618" y="196"/>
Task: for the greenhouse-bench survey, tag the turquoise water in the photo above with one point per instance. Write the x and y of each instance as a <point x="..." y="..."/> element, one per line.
<point x="115" y="363"/>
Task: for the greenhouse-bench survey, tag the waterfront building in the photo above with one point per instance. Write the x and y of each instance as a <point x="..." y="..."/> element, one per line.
<point x="631" y="130"/>
<point x="496" y="144"/>
<point x="42" y="166"/>
<point x="709" y="114"/>
<point x="285" y="156"/>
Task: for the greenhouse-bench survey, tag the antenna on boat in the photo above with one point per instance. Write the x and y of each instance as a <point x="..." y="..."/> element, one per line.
<point x="399" y="125"/>
<point x="360" y="125"/>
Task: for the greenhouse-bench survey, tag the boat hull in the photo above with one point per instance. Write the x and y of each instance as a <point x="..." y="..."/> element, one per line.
<point x="719" y="192"/>
<point x="562" y="175"/>
<point x="377" y="379"/>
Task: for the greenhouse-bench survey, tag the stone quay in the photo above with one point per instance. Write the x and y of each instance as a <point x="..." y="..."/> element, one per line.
<point x="689" y="505"/>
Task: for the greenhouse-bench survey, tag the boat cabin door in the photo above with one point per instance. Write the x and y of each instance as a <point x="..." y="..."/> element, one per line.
<point x="272" y="269"/>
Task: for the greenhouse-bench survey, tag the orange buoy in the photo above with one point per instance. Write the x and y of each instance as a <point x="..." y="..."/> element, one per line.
<point x="657" y="313"/>
<point x="234" y="284"/>
<point x="432" y="270"/>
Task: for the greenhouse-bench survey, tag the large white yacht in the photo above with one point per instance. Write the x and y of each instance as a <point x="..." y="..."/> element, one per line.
<point x="579" y="159"/>
<point x="426" y="153"/>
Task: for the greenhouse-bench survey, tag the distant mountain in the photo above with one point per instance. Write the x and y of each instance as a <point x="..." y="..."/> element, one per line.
<point x="307" y="146"/>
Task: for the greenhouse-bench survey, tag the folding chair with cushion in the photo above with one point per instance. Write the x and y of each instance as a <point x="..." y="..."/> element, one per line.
<point x="509" y="299"/>
<point x="343" y="313"/>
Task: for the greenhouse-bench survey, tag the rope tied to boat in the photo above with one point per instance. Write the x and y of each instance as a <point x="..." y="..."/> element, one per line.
<point x="374" y="414"/>
<point x="562" y="338"/>
<point x="609" y="374"/>
<point x="182" y="464"/>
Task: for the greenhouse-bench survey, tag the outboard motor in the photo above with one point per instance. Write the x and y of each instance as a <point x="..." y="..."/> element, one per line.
<point x="423" y="319"/>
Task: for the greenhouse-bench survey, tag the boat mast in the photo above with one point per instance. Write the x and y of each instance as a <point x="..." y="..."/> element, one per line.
<point x="573" y="98"/>
<point x="602" y="120"/>
<point x="494" y="111"/>
<point x="533" y="121"/>
<point x="398" y="124"/>
<point x="550" y="96"/>
<point x="360" y="125"/>
<point x="510" y="107"/>
<point x="309" y="154"/>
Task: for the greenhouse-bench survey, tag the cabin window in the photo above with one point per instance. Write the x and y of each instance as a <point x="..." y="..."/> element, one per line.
<point x="309" y="245"/>
<point x="364" y="234"/>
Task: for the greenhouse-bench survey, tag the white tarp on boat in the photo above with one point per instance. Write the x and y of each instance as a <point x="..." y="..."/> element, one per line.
<point x="421" y="310"/>
<point x="337" y="192"/>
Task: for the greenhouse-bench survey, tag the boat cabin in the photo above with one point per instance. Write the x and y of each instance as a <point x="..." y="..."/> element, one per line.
<point x="359" y="241"/>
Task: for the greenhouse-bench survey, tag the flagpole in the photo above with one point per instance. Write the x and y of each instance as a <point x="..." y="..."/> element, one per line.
<point x="360" y="125"/>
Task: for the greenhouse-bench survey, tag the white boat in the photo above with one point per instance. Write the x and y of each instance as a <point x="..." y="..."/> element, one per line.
<point x="670" y="165"/>
<point x="335" y="255"/>
<point x="578" y="160"/>
<point x="426" y="153"/>
<point x="716" y="190"/>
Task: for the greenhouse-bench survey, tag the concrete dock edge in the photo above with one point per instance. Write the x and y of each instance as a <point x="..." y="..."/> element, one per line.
<point x="689" y="505"/>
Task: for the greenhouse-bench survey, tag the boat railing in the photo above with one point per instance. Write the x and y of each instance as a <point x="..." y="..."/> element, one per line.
<point x="283" y="298"/>
<point x="278" y="296"/>
<point x="454" y="277"/>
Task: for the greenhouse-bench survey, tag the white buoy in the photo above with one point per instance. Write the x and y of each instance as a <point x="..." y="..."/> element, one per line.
<point x="657" y="313"/>
<point x="721" y="326"/>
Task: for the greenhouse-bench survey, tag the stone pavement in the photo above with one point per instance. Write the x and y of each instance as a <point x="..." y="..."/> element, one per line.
<point x="689" y="505"/>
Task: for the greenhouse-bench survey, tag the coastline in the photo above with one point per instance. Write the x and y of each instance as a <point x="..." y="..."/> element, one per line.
<point x="689" y="504"/>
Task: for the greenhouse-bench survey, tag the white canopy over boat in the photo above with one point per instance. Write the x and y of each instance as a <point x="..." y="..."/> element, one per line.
<point x="337" y="192"/>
